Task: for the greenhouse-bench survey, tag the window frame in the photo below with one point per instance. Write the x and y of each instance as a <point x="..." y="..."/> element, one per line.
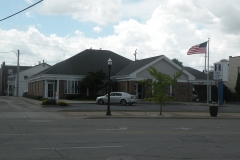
<point x="70" y="87"/>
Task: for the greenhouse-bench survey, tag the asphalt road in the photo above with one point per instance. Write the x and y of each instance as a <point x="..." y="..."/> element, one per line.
<point x="44" y="138"/>
<point x="119" y="139"/>
<point x="178" y="107"/>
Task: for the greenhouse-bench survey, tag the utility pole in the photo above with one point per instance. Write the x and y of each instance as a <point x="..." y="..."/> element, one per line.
<point x="18" y="73"/>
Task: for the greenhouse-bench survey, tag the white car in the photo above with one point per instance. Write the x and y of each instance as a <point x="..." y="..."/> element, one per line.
<point x="118" y="97"/>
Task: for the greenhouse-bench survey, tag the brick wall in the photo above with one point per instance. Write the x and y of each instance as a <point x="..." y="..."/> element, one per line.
<point x="61" y="90"/>
<point x="36" y="88"/>
<point x="122" y="86"/>
<point x="182" y="92"/>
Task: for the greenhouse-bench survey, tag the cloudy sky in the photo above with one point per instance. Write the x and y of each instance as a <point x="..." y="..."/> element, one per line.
<point x="54" y="30"/>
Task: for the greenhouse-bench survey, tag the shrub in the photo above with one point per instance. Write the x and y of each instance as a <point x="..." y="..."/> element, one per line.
<point x="44" y="102"/>
<point x="32" y="96"/>
<point x="60" y="103"/>
<point x="48" y="101"/>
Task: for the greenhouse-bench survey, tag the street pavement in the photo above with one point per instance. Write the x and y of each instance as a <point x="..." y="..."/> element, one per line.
<point x="35" y="104"/>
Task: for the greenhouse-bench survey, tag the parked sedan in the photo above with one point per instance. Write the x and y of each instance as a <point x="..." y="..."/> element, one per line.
<point x="118" y="97"/>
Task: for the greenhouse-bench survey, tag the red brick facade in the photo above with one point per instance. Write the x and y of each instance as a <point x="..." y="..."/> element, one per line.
<point x="36" y="88"/>
<point x="182" y="92"/>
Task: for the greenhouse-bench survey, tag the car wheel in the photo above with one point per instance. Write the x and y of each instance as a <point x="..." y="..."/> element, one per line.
<point x="100" y="101"/>
<point x="123" y="102"/>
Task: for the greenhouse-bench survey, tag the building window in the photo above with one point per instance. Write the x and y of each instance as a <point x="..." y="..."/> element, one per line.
<point x="25" y="77"/>
<point x="10" y="71"/>
<point x="71" y="87"/>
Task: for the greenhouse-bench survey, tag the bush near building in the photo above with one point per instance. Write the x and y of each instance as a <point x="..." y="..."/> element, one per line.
<point x="32" y="96"/>
<point x="46" y="101"/>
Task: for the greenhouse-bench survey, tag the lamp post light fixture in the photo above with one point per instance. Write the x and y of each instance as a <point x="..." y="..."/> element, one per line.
<point x="109" y="67"/>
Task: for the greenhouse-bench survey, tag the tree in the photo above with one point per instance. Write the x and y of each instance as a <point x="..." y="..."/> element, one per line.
<point x="95" y="81"/>
<point x="160" y="86"/>
<point x="177" y="62"/>
<point x="237" y="88"/>
<point x="223" y="60"/>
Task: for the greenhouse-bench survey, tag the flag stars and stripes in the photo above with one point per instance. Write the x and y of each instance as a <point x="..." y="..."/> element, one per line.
<point x="198" y="49"/>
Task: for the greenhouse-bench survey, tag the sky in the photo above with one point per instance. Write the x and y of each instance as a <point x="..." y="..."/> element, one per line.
<point x="54" y="30"/>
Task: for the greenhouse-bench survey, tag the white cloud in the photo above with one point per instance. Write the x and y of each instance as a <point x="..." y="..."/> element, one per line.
<point x="171" y="30"/>
<point x="29" y="15"/>
<point x="100" y="11"/>
<point x="29" y="1"/>
<point x="97" y="29"/>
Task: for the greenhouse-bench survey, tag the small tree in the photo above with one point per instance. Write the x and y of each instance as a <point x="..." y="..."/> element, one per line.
<point x="237" y="88"/>
<point x="94" y="81"/>
<point x="160" y="86"/>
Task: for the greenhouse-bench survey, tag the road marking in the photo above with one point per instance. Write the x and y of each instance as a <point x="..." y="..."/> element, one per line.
<point x="78" y="147"/>
<point x="183" y="128"/>
<point x="111" y="129"/>
<point x="40" y="120"/>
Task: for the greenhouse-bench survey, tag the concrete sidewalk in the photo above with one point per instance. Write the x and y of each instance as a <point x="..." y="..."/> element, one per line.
<point x="70" y="102"/>
<point x="114" y="114"/>
<point x="126" y="114"/>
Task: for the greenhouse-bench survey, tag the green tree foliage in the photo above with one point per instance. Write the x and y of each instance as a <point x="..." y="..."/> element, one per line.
<point x="237" y="88"/>
<point x="95" y="81"/>
<point x="160" y="86"/>
<point x="177" y="62"/>
<point x="145" y="84"/>
<point x="223" y="60"/>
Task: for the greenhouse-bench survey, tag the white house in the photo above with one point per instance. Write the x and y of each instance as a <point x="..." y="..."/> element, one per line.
<point x="23" y="76"/>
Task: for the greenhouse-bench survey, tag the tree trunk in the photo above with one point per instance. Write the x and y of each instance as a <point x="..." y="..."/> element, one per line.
<point x="161" y="109"/>
<point x="160" y="106"/>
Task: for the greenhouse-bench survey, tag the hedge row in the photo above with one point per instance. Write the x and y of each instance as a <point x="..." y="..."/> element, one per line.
<point x="46" y="101"/>
<point x="32" y="96"/>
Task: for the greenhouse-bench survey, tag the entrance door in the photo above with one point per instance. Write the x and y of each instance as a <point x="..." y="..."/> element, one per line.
<point x="138" y="90"/>
<point x="50" y="90"/>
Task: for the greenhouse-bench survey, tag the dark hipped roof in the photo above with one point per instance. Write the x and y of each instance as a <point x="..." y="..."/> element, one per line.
<point x="197" y="73"/>
<point x="88" y="60"/>
<point x="135" y="65"/>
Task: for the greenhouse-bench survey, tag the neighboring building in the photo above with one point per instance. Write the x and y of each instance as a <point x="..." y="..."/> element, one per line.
<point x="233" y="71"/>
<point x="201" y="82"/>
<point x="5" y="71"/>
<point x="64" y="77"/>
<point x="23" y="76"/>
<point x="201" y="77"/>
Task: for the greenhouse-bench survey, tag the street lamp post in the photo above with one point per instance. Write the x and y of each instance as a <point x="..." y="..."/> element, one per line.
<point x="109" y="66"/>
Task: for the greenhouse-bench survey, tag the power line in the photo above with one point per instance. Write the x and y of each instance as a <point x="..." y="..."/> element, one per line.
<point x="21" y="10"/>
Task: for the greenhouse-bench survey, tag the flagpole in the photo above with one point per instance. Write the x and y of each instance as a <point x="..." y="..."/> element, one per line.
<point x="208" y="75"/>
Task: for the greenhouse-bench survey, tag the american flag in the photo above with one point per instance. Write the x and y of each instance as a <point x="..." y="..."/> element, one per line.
<point x="198" y="49"/>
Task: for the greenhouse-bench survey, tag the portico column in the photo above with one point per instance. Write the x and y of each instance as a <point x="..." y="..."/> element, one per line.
<point x="126" y="86"/>
<point x="210" y="92"/>
<point x="8" y="90"/>
<point x="46" y="89"/>
<point x="57" y="86"/>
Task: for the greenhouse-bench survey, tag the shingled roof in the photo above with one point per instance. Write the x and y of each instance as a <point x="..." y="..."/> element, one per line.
<point x="89" y="60"/>
<point x="135" y="65"/>
<point x="196" y="73"/>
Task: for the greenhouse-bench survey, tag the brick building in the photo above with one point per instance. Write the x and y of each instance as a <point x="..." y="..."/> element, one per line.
<point x="5" y="71"/>
<point x="63" y="78"/>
